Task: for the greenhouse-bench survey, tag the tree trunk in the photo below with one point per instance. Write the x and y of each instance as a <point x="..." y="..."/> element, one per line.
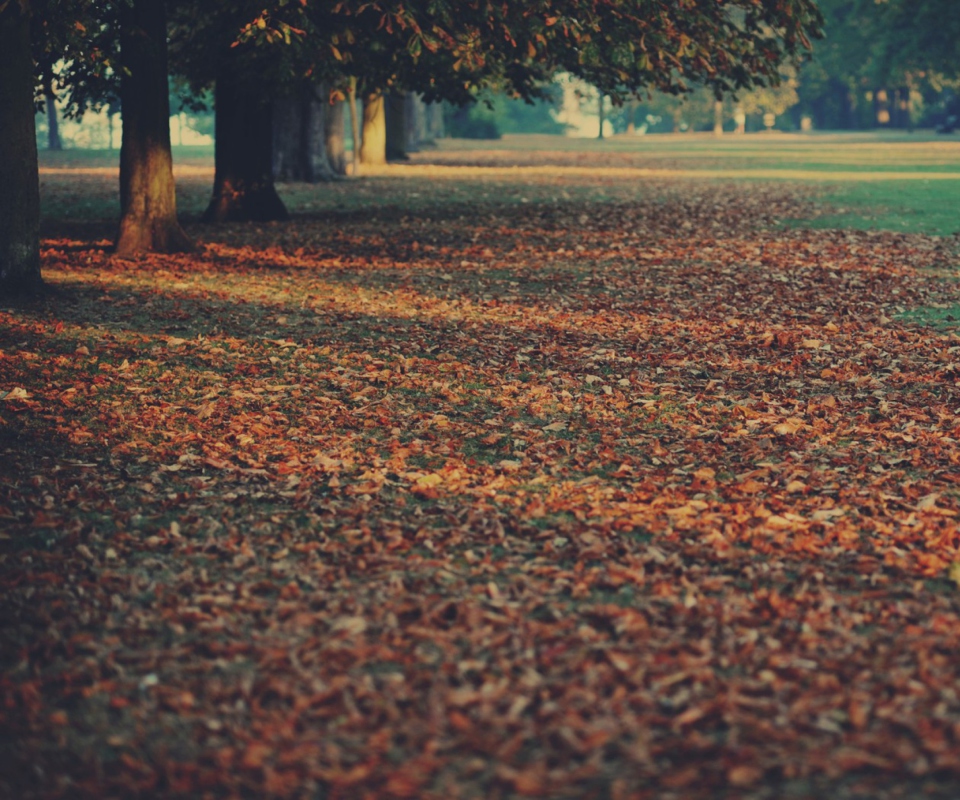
<point x="373" y="147"/>
<point x="286" y="138"/>
<point x="148" y="204"/>
<point x="600" y="107"/>
<point x="334" y="134"/>
<point x="299" y="136"/>
<point x="53" y="124"/>
<point x="313" y="134"/>
<point x="718" y="118"/>
<point x="354" y="124"/>
<point x="435" y="128"/>
<point x="396" y="113"/>
<point x="19" y="176"/>
<point x="415" y="119"/>
<point x="243" y="186"/>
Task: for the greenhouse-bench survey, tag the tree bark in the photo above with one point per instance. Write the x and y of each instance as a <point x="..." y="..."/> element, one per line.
<point x="243" y="186"/>
<point x="53" y="124"/>
<point x="286" y="138"/>
<point x="718" y="117"/>
<point x="299" y="136"/>
<point x="148" y="204"/>
<point x="373" y="148"/>
<point x="396" y="114"/>
<point x="19" y="176"/>
<point x="336" y="140"/>
<point x="313" y="134"/>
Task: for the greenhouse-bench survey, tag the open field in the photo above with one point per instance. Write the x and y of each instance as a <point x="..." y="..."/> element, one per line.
<point x="899" y="182"/>
<point x="575" y="475"/>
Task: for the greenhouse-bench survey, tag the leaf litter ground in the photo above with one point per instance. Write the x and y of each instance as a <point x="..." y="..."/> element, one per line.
<point x="484" y="484"/>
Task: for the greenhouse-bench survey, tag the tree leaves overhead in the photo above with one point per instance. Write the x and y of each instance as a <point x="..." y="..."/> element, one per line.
<point x="617" y="46"/>
<point x="448" y="50"/>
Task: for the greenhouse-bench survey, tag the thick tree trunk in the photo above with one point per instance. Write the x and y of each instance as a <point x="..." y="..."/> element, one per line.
<point x="243" y="181"/>
<point x="373" y="148"/>
<point x="20" y="193"/>
<point x="313" y="134"/>
<point x="299" y="136"/>
<point x="148" y="204"/>
<point x="336" y="141"/>
<point x="396" y="113"/>
<point x="53" y="124"/>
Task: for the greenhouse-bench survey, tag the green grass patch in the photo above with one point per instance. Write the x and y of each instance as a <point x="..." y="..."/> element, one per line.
<point x="904" y="206"/>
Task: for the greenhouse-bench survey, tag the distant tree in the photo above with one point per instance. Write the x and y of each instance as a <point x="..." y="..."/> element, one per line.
<point x="774" y="100"/>
<point x="50" y="108"/>
<point x="335" y="135"/>
<point x="915" y="36"/>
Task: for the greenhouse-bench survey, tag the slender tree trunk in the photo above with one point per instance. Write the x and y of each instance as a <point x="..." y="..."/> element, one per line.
<point x="435" y="128"/>
<point x="354" y="123"/>
<point x="373" y="148"/>
<point x="335" y="139"/>
<point x="110" y="117"/>
<point x="148" y="204"/>
<point x="415" y="122"/>
<point x="53" y="124"/>
<point x="396" y="113"/>
<point x="600" y="106"/>
<point x="20" y="195"/>
<point x="718" y="118"/>
<point x="243" y="186"/>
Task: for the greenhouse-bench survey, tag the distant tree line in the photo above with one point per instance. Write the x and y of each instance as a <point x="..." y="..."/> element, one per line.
<point x="883" y="64"/>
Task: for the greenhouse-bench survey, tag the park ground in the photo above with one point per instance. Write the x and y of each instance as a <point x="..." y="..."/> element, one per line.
<point x="533" y="468"/>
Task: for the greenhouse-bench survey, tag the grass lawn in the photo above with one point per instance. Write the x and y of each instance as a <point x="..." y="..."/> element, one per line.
<point x="534" y="468"/>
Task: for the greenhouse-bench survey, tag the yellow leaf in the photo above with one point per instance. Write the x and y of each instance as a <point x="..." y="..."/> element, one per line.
<point x="429" y="481"/>
<point x="954" y="573"/>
